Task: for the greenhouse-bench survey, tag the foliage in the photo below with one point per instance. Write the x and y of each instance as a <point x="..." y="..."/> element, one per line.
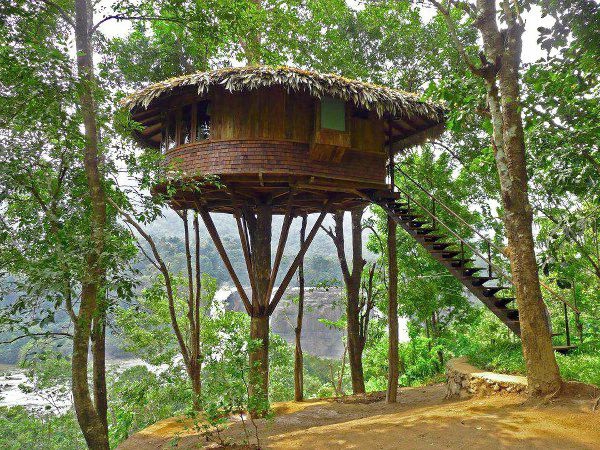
<point x="22" y="429"/>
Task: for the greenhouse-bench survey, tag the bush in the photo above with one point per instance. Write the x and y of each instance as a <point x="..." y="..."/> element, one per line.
<point x="21" y="429"/>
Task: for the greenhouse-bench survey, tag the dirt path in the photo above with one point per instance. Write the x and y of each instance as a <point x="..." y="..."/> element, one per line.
<point x="422" y="419"/>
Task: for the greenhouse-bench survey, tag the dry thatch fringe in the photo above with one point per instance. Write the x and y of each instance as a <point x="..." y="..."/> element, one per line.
<point x="420" y="137"/>
<point x="366" y="95"/>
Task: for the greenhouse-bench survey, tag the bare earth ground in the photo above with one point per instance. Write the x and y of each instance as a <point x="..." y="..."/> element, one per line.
<point x="422" y="419"/>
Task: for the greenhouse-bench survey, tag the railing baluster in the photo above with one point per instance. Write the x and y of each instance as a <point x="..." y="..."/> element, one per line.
<point x="501" y="272"/>
<point x="433" y="211"/>
<point x="489" y="252"/>
<point x="567" y="331"/>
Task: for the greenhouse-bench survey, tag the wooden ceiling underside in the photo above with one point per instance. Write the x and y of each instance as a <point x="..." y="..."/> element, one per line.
<point x="304" y="195"/>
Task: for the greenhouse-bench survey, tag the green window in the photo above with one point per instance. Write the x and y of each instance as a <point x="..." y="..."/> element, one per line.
<point x="333" y="114"/>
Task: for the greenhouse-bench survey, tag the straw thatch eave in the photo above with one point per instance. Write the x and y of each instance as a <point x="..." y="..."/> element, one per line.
<point x="383" y="100"/>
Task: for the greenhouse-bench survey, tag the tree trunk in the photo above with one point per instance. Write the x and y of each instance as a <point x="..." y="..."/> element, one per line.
<point x="355" y="340"/>
<point x="89" y="420"/>
<point x="258" y="388"/>
<point x="392" y="386"/>
<point x="99" y="367"/>
<point x="298" y="357"/>
<point x="260" y="236"/>
<point x="504" y="49"/>
<point x="352" y="279"/>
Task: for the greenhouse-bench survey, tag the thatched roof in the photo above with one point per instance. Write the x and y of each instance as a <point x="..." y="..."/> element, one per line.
<point x="383" y="100"/>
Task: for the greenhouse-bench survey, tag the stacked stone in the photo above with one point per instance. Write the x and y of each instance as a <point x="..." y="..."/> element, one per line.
<point x="464" y="380"/>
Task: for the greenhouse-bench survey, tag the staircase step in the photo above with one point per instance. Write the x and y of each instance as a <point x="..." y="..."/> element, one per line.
<point x="564" y="349"/>
<point x="460" y="262"/>
<point x="433" y="237"/>
<point x="512" y="314"/>
<point x="407" y="217"/>
<point x="501" y="302"/>
<point x="423" y="231"/>
<point x="447" y="254"/>
<point x="417" y="223"/>
<point x="491" y="291"/>
<point x="480" y="281"/>
<point x="469" y="271"/>
<point x="440" y="245"/>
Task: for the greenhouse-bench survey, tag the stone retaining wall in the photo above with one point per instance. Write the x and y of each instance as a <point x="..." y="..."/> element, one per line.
<point x="463" y="380"/>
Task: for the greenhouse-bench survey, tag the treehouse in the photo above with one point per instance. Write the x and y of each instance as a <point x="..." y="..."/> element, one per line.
<point x="274" y="133"/>
<point x="292" y="142"/>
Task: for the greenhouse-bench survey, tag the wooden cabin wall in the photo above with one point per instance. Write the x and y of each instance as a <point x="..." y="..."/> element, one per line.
<point x="272" y="113"/>
<point x="367" y="135"/>
<point x="266" y="114"/>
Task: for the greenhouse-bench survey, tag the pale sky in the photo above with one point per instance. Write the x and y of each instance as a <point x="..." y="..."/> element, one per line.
<point x="531" y="50"/>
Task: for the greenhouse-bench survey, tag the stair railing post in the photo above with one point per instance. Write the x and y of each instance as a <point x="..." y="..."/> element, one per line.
<point x="462" y="255"/>
<point x="433" y="211"/>
<point x="567" y="332"/>
<point x="489" y="254"/>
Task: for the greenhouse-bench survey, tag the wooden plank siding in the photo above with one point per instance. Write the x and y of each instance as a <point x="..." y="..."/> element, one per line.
<point x="250" y="132"/>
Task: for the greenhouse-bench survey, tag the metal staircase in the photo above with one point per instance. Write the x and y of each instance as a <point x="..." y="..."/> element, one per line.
<point x="469" y="259"/>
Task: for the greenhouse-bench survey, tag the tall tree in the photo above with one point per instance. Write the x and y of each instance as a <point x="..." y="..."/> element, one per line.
<point x="352" y="276"/>
<point x="298" y="356"/>
<point x="499" y="69"/>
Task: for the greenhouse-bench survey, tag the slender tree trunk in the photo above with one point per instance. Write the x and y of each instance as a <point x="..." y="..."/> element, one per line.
<point x="352" y="279"/>
<point x="99" y="367"/>
<point x="504" y="49"/>
<point x="89" y="420"/>
<point x="392" y="386"/>
<point x="298" y="357"/>
<point x="195" y="356"/>
<point x="355" y="343"/>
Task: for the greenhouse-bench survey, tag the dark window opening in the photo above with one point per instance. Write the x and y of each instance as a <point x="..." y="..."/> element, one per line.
<point x="163" y="138"/>
<point x="171" y="132"/>
<point x="203" y="121"/>
<point x="185" y="133"/>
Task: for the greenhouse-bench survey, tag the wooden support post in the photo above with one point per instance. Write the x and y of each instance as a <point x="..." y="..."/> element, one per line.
<point x="392" y="385"/>
<point x="290" y="273"/>
<point x="214" y="234"/>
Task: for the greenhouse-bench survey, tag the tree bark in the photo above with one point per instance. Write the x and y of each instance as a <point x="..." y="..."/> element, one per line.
<point x="298" y="357"/>
<point x="260" y="226"/>
<point x="258" y="387"/>
<point x="99" y="367"/>
<point x="89" y="420"/>
<point x="392" y="386"/>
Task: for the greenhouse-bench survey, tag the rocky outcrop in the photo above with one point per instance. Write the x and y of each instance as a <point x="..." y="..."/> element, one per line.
<point x="318" y="339"/>
<point x="463" y="380"/>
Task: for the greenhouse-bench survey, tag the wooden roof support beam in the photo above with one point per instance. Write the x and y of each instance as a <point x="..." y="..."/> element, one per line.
<point x="214" y="234"/>
<point x="285" y="229"/>
<point x="402" y="125"/>
<point x="290" y="273"/>
<point x="151" y="130"/>
<point x="243" y="232"/>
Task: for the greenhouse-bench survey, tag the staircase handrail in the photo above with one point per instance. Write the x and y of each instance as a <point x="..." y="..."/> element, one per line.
<point x="447" y="208"/>
<point x="498" y="270"/>
<point x="556" y="296"/>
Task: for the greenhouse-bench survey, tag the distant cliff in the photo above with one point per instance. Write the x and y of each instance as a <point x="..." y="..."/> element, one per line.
<point x="317" y="338"/>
